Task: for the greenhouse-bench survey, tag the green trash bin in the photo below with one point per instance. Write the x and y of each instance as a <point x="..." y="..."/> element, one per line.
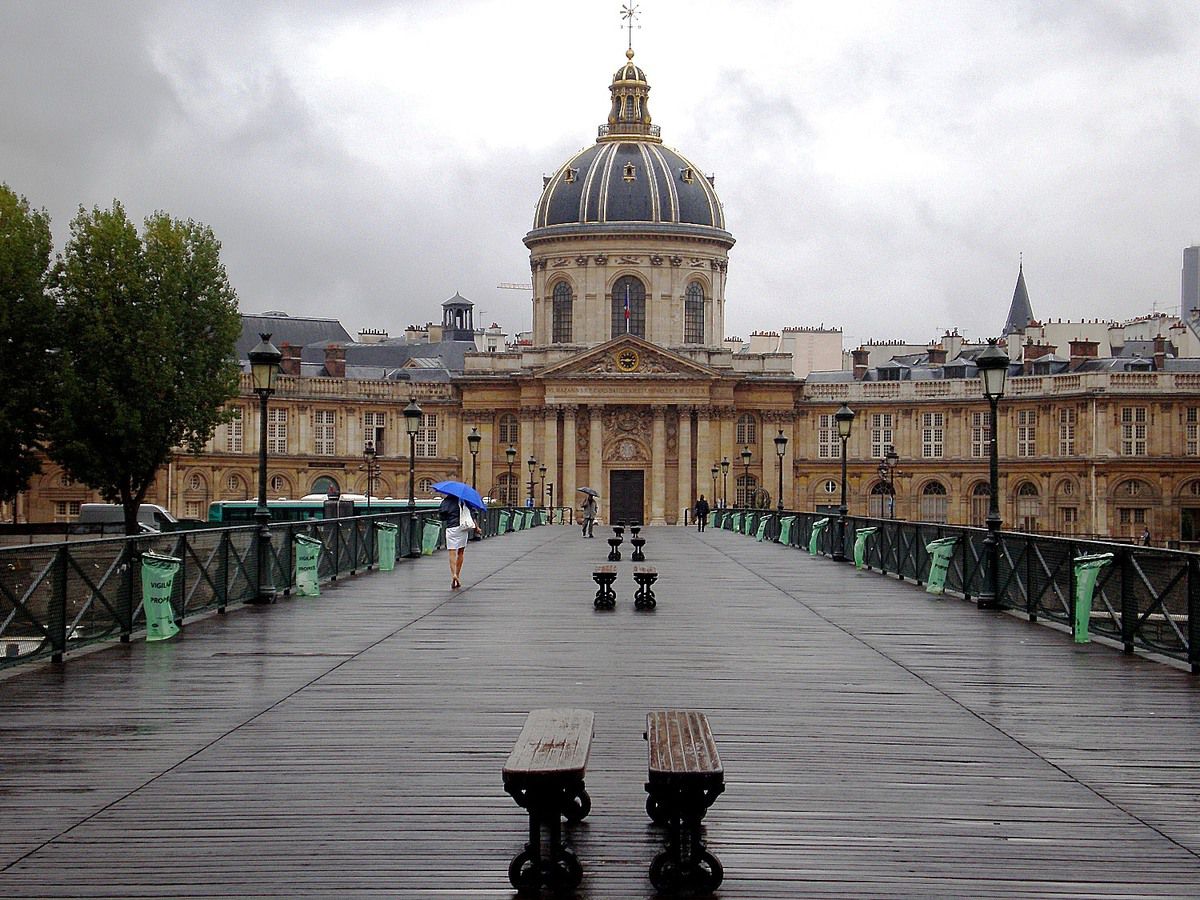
<point x="785" y="529"/>
<point x="860" y="544"/>
<point x="431" y="536"/>
<point x="814" y="539"/>
<point x="1087" y="573"/>
<point x="307" y="551"/>
<point x="158" y="583"/>
<point x="940" y="552"/>
<point x="385" y="545"/>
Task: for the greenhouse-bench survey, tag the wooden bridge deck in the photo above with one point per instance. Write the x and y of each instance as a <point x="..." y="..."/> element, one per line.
<point x="877" y="742"/>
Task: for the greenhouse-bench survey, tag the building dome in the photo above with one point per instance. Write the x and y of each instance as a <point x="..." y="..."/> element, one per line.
<point x="628" y="179"/>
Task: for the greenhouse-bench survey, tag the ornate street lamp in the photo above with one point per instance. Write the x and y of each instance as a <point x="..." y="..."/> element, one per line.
<point x="412" y="424"/>
<point x="542" y="492"/>
<point x="887" y="471"/>
<point x="509" y="495"/>
<point x="532" y="463"/>
<point x="724" y="481"/>
<point x="780" y="450"/>
<point x="715" y="472"/>
<point x="264" y="363"/>
<point x="369" y="464"/>
<point x="473" y="440"/>
<point x="993" y="369"/>
<point x="844" y="418"/>
<point x="746" y="477"/>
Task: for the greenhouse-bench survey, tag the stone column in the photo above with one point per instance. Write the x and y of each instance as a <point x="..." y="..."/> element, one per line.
<point x="683" y="471"/>
<point x="528" y="448"/>
<point x="706" y="454"/>
<point x="658" y="466"/>
<point x="550" y="452"/>
<point x="596" y="456"/>
<point x="569" y="474"/>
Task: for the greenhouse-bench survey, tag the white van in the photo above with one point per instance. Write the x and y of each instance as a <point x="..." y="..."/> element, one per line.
<point x="109" y="518"/>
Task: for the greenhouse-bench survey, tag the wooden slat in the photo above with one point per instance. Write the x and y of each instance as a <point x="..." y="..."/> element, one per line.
<point x="552" y="742"/>
<point x="680" y="743"/>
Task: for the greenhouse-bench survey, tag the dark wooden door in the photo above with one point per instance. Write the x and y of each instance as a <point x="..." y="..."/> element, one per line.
<point x="625" y="495"/>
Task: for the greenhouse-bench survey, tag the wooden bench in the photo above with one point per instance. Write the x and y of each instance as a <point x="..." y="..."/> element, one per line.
<point x="685" y="777"/>
<point x="605" y="577"/>
<point x="644" y="577"/>
<point x="544" y="774"/>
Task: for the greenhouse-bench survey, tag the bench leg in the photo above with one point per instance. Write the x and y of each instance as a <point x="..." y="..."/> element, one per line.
<point x="685" y="864"/>
<point x="606" y="596"/>
<point x="549" y="863"/>
<point x="643" y="597"/>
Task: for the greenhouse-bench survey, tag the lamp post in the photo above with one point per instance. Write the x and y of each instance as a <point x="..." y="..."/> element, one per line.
<point x="780" y="450"/>
<point x="844" y="418"/>
<point x="725" y="482"/>
<point x="264" y="362"/>
<point x="369" y="455"/>
<point x="887" y="471"/>
<point x="509" y="496"/>
<point x="542" y="492"/>
<point x="412" y="424"/>
<point x="715" y="472"/>
<point x="473" y="440"/>
<point x="993" y="369"/>
<point x="746" y="477"/>
<point x="532" y="463"/>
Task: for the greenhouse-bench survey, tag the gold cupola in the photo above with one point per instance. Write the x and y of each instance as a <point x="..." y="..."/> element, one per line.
<point x="630" y="113"/>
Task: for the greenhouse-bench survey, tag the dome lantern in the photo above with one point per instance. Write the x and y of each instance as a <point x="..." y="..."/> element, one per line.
<point x="630" y="112"/>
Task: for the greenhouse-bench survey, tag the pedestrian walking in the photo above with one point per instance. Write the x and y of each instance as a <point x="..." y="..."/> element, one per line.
<point x="460" y="524"/>
<point x="589" y="515"/>
<point x="1146" y="536"/>
<point x="701" y="510"/>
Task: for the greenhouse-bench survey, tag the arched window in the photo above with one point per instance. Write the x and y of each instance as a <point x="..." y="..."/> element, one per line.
<point x="1068" y="507"/>
<point x="628" y="307"/>
<point x="507" y="490"/>
<point x="747" y="429"/>
<point x="1133" y="499"/>
<point x="325" y="485"/>
<point x="279" y="486"/>
<point x="746" y="486"/>
<point x="235" y="487"/>
<point x="561" y="328"/>
<point x="934" y="502"/>
<point x="1029" y="507"/>
<point x="196" y="482"/>
<point x="980" y="495"/>
<point x="509" y="432"/>
<point x="693" y="314"/>
<point x="878" y="505"/>
<point x="425" y="487"/>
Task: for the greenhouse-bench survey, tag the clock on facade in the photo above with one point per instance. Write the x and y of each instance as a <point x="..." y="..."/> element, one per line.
<point x="627" y="360"/>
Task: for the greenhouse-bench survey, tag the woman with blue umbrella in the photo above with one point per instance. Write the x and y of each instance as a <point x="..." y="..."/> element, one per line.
<point x="457" y="516"/>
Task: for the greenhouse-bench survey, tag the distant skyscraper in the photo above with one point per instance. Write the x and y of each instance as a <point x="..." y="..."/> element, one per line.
<point x="1190" y="296"/>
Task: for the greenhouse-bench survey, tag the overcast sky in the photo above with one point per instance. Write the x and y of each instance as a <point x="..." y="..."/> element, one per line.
<point x="882" y="164"/>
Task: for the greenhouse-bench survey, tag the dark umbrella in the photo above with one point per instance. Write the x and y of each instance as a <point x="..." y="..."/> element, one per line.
<point x="591" y="492"/>
<point x="463" y="492"/>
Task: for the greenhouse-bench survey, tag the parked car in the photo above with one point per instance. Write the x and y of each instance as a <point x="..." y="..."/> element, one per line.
<point x="109" y="518"/>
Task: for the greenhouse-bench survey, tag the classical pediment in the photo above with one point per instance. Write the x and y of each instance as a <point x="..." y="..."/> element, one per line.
<point x="629" y="357"/>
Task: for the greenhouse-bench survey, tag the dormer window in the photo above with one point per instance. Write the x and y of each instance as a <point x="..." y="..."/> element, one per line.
<point x="572" y="174"/>
<point x="630" y="172"/>
<point x="687" y="175"/>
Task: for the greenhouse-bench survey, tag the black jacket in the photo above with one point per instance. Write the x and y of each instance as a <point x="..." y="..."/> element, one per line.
<point x="448" y="512"/>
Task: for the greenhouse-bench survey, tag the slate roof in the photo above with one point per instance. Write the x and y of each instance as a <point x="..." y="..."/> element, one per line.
<point x="1020" y="313"/>
<point x="297" y="330"/>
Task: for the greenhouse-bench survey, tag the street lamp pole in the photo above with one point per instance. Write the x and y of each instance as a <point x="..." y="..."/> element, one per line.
<point x="510" y="498"/>
<point x="725" y="482"/>
<point x="746" y="477"/>
<point x="781" y="443"/>
<point x="412" y="424"/>
<point x="473" y="440"/>
<point x="542" y="493"/>
<point x="715" y="472"/>
<point x="532" y="463"/>
<point x="369" y="455"/>
<point x="844" y="418"/>
<point x="993" y="369"/>
<point x="887" y="471"/>
<point x="264" y="362"/>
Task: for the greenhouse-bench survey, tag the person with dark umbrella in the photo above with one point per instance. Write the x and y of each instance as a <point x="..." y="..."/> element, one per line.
<point x="589" y="514"/>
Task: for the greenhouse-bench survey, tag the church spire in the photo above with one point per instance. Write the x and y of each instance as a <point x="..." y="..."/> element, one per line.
<point x="1020" y="313"/>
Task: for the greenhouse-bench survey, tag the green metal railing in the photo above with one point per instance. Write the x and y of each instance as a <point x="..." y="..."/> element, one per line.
<point x="57" y="597"/>
<point x="1147" y="599"/>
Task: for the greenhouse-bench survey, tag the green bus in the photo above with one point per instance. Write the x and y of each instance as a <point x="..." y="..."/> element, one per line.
<point x="312" y="506"/>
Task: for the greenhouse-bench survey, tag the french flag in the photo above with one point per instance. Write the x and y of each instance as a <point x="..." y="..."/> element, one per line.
<point x="627" y="309"/>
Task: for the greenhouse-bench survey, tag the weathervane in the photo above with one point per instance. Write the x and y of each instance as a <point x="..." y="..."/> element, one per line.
<point x="629" y="12"/>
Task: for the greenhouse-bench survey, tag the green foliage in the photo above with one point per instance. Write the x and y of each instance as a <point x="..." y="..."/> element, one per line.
<point x="149" y="326"/>
<point x="26" y="335"/>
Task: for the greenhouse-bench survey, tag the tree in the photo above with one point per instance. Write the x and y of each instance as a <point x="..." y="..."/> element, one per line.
<point x="26" y="329"/>
<point x="148" y="332"/>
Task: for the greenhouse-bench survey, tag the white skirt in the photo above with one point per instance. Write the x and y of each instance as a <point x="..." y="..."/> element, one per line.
<point x="457" y="537"/>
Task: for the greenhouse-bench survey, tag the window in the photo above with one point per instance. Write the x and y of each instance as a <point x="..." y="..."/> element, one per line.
<point x="561" y="327"/>
<point x="932" y="430"/>
<point x="509" y="432"/>
<point x="1066" y="432"/>
<point x="507" y="490"/>
<point x="934" y="502"/>
<point x="981" y="496"/>
<point x="1027" y="432"/>
<point x="829" y="445"/>
<point x="424" y="485"/>
<point x="1133" y="431"/>
<point x="881" y="425"/>
<point x="278" y="485"/>
<point x="746" y="487"/>
<point x="630" y="172"/>
<point x="687" y="175"/>
<point x="374" y="429"/>
<point x="324" y="430"/>
<point x="747" y="430"/>
<point x="236" y="487"/>
<point x="325" y="485"/>
<point x="693" y="314"/>
<point x="628" y="307"/>
<point x="196" y="482"/>
<point x="878" y="503"/>
<point x="191" y="509"/>
<point x="427" y="436"/>
<point x="1132" y="515"/>
<point x="277" y="442"/>
<point x="571" y="175"/>
<point x="66" y="509"/>
<point x="1068" y="519"/>
<point x="233" y="432"/>
<point x="981" y="434"/>
<point x="1029" y="507"/>
<point x="1191" y="424"/>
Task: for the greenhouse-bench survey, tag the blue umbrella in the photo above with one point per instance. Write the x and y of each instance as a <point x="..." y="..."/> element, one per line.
<point x="463" y="492"/>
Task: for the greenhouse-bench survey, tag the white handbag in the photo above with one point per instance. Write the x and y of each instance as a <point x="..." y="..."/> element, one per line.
<point x="465" y="520"/>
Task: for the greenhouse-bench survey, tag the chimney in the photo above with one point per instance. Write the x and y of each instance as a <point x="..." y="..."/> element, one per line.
<point x="861" y="357"/>
<point x="1033" y="352"/>
<point x="1081" y="351"/>
<point x="1160" y="353"/>
<point x="335" y="361"/>
<point x="290" y="363"/>
<point x="937" y="356"/>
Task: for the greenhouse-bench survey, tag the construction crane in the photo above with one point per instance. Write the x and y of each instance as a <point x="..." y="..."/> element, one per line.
<point x="514" y="286"/>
